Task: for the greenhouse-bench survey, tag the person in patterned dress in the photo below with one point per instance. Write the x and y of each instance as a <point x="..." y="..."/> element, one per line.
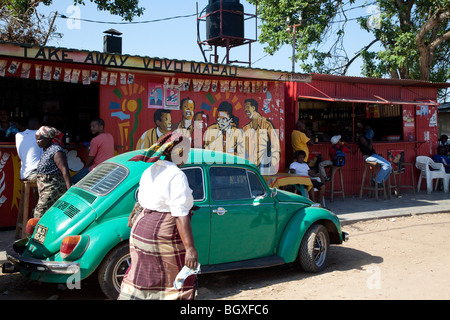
<point x="53" y="178"/>
<point x="161" y="240"/>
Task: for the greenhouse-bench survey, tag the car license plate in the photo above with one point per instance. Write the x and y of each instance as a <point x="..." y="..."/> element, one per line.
<point x="40" y="233"/>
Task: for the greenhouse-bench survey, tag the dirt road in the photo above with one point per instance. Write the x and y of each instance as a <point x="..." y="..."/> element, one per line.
<point x="396" y="258"/>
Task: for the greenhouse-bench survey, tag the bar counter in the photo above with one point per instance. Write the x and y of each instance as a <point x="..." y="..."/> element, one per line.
<point x="354" y="165"/>
<point x="11" y="186"/>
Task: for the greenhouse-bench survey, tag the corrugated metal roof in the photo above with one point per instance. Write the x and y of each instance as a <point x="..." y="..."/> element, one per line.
<point x="400" y="82"/>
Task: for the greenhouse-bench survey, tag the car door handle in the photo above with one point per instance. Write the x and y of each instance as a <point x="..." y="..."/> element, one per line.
<point x="220" y="211"/>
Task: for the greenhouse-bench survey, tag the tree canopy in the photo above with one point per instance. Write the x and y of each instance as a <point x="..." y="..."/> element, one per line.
<point x="21" y="22"/>
<point x="414" y="36"/>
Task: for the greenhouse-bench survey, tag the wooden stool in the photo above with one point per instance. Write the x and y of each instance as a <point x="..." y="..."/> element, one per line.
<point x="334" y="169"/>
<point x="399" y="173"/>
<point x="24" y="208"/>
<point x="373" y="166"/>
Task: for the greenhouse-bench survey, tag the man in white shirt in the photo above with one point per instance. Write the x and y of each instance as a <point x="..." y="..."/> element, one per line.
<point x="28" y="150"/>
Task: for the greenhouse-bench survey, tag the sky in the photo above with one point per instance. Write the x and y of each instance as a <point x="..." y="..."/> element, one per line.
<point x="177" y="38"/>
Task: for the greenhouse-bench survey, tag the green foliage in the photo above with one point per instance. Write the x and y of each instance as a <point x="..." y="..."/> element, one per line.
<point x="127" y="9"/>
<point x="414" y="36"/>
<point x="21" y="22"/>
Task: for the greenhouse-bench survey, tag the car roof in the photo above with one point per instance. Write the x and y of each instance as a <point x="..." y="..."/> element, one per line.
<point x="196" y="156"/>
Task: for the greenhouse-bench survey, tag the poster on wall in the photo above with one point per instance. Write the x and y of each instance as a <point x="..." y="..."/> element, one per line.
<point x="408" y="123"/>
<point x="155" y="95"/>
<point x="171" y="98"/>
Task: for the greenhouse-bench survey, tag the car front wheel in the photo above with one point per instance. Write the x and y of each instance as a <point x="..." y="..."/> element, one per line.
<point x="313" y="253"/>
<point x="113" y="269"/>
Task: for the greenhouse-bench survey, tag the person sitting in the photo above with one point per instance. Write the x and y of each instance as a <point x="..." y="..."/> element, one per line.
<point x="336" y="145"/>
<point x="365" y="143"/>
<point x="300" y="167"/>
<point x="441" y="157"/>
<point x="443" y="141"/>
<point x="8" y="129"/>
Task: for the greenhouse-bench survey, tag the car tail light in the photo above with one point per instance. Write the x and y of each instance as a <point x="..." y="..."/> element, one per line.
<point x="72" y="247"/>
<point x="68" y="244"/>
<point x="31" y="225"/>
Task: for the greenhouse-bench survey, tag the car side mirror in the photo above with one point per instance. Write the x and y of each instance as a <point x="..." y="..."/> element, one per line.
<point x="273" y="192"/>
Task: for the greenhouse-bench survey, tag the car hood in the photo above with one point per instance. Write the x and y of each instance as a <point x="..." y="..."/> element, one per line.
<point x="70" y="215"/>
<point x="285" y="196"/>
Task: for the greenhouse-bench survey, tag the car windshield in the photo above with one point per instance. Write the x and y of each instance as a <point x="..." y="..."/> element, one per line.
<point x="104" y="178"/>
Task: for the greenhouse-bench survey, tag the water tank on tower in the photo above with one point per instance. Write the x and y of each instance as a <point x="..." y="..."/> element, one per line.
<point x="224" y="18"/>
<point x="224" y="29"/>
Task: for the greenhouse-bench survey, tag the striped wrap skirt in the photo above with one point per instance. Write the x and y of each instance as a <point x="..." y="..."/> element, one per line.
<point x="50" y="188"/>
<point x="157" y="256"/>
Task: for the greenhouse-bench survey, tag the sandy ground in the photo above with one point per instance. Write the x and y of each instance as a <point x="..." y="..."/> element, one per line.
<point x="395" y="258"/>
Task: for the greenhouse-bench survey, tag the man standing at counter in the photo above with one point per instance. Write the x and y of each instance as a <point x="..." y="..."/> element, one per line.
<point x="101" y="149"/>
<point x="28" y="150"/>
<point x="300" y="140"/>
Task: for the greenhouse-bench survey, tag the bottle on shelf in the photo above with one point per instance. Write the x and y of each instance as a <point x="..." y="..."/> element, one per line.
<point x="67" y="137"/>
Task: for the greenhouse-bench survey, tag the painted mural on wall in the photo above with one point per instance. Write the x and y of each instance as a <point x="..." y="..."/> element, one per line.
<point x="244" y="118"/>
<point x="4" y="159"/>
<point x="10" y="186"/>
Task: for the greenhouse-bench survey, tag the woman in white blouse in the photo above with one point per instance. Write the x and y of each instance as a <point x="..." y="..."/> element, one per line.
<point x="161" y="240"/>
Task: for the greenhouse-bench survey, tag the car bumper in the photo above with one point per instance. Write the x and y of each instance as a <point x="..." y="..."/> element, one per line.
<point x="21" y="263"/>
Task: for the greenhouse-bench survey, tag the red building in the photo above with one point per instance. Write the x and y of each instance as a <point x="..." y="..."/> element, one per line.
<point x="402" y="113"/>
<point x="140" y="98"/>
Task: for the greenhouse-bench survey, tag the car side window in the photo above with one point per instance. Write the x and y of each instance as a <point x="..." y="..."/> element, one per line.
<point x="196" y="182"/>
<point x="256" y="186"/>
<point x="229" y="183"/>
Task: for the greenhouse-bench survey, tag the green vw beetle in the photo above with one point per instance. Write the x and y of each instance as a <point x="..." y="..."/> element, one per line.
<point x="241" y="223"/>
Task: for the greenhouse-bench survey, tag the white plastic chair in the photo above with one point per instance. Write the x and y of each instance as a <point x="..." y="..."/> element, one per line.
<point x="431" y="170"/>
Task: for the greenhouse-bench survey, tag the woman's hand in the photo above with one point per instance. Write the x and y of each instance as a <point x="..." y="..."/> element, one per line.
<point x="185" y="230"/>
<point x="191" y="258"/>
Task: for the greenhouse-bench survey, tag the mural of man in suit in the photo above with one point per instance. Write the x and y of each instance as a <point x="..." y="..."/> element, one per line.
<point x="163" y="121"/>
<point x="187" y="114"/>
<point x="261" y="139"/>
<point x="225" y="135"/>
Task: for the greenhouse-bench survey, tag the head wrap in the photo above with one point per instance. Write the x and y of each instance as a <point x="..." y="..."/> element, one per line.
<point x="335" y="139"/>
<point x="51" y="133"/>
<point x="165" y="147"/>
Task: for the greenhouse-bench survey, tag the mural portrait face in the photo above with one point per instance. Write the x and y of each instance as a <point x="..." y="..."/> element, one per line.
<point x="224" y="120"/>
<point x="249" y="110"/>
<point x="201" y="120"/>
<point x="187" y="109"/>
<point x="165" y="124"/>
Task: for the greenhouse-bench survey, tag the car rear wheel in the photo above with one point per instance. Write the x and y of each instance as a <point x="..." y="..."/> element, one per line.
<point x="313" y="253"/>
<point x="113" y="269"/>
